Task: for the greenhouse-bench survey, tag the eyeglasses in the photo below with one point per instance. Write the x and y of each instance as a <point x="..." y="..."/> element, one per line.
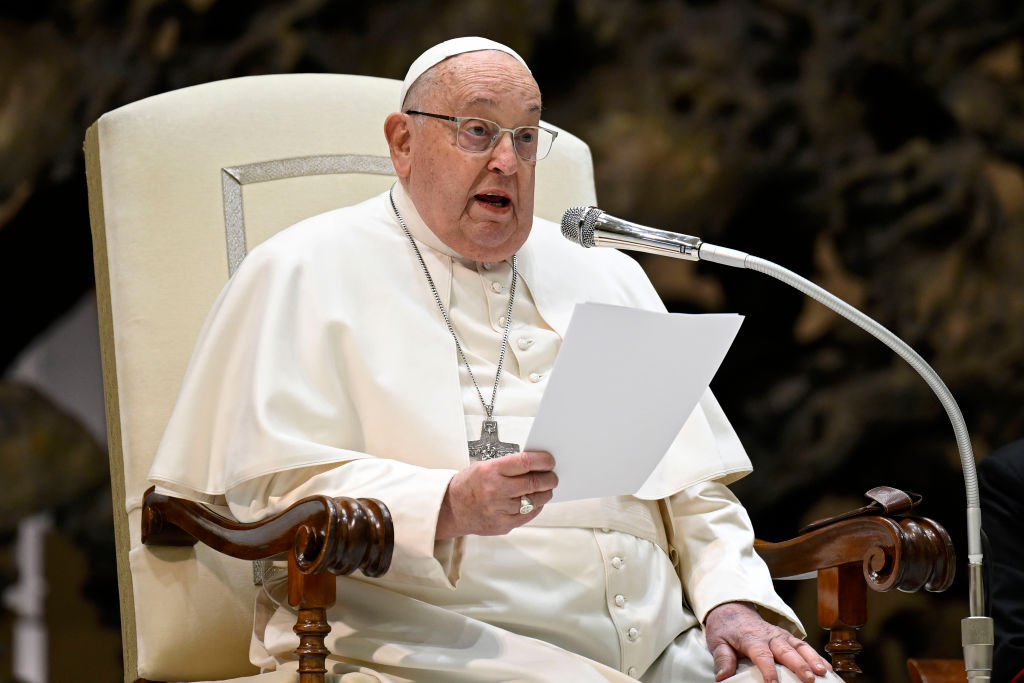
<point x="532" y="143"/>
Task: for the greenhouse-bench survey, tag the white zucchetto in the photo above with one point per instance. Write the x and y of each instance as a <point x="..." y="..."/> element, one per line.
<point x="450" y="48"/>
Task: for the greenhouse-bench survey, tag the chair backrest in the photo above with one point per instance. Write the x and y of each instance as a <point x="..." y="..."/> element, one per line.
<point x="181" y="185"/>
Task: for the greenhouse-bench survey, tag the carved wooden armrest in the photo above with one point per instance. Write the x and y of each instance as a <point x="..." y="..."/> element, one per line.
<point x="906" y="553"/>
<point x="320" y="536"/>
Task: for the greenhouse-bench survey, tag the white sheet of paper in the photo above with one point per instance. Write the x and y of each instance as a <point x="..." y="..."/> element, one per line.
<point x="623" y="384"/>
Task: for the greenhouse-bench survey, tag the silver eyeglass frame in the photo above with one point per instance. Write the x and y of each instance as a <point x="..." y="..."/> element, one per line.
<point x="494" y="140"/>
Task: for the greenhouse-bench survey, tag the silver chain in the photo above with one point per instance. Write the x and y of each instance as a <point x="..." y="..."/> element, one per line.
<point x="489" y="409"/>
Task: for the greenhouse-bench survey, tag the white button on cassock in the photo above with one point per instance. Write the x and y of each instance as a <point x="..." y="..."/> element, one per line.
<point x="620" y="600"/>
<point x="632" y="633"/>
<point x="501" y="321"/>
<point x="631" y="672"/>
<point x="536" y="377"/>
<point x="524" y="343"/>
<point x="496" y="287"/>
<point x="617" y="562"/>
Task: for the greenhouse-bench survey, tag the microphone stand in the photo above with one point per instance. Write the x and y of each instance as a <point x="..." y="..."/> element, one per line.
<point x="976" y="630"/>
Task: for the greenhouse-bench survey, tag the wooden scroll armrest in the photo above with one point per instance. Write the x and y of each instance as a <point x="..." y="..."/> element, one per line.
<point x="320" y="536"/>
<point x="338" y="535"/>
<point x="906" y="553"/>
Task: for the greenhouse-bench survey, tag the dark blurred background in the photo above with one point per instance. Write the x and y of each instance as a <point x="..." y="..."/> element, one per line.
<point x="874" y="146"/>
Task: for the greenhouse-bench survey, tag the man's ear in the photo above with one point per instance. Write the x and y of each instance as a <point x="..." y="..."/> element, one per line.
<point x="398" y="134"/>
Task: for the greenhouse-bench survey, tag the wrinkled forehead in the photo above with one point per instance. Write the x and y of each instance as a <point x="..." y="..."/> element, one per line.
<point x="485" y="79"/>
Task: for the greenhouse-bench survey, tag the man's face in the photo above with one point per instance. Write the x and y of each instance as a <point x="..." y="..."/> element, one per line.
<point x="479" y="204"/>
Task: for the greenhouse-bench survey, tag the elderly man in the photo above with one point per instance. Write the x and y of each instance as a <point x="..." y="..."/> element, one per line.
<point x="352" y="354"/>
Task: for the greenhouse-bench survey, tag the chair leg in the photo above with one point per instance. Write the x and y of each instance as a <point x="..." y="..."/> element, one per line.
<point x="312" y="594"/>
<point x="312" y="628"/>
<point x="842" y="611"/>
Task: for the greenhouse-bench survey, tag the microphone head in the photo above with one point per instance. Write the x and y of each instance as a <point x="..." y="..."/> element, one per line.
<point x="578" y="224"/>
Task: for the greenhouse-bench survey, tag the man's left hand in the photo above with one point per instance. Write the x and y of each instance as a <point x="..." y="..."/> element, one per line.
<point x="735" y="630"/>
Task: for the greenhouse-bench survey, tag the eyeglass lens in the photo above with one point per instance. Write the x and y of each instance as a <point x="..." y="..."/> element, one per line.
<point x="479" y="135"/>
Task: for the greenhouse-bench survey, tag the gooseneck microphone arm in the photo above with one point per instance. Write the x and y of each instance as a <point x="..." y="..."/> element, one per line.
<point x="589" y="226"/>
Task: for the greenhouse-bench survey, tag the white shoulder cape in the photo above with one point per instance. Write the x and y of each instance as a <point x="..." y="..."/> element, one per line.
<point x="326" y="347"/>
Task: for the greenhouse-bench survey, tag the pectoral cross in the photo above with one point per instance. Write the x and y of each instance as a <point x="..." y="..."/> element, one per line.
<point x="489" y="446"/>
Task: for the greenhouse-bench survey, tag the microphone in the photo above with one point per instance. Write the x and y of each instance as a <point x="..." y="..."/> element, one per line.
<point x="589" y="226"/>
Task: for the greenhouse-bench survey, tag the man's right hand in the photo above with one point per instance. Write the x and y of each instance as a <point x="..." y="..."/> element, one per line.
<point x="483" y="499"/>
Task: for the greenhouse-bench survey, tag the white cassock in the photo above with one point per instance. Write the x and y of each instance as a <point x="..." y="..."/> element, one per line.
<point x="325" y="368"/>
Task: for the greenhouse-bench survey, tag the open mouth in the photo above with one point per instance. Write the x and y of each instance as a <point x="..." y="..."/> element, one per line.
<point x="497" y="200"/>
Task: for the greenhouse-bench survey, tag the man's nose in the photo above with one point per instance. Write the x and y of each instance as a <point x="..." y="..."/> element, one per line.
<point x="503" y="155"/>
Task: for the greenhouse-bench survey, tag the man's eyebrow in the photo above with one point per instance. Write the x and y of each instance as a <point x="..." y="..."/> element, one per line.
<point x="493" y="103"/>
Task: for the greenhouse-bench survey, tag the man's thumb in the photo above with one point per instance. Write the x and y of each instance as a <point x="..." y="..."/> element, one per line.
<point x="725" y="661"/>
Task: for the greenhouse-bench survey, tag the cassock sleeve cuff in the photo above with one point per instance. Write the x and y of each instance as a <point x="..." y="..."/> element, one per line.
<point x="419" y="558"/>
<point x="412" y="494"/>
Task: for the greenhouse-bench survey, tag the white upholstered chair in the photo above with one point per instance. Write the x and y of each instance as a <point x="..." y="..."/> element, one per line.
<point x="181" y="185"/>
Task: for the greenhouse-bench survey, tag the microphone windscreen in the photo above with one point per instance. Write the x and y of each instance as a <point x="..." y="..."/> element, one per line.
<point x="578" y="224"/>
